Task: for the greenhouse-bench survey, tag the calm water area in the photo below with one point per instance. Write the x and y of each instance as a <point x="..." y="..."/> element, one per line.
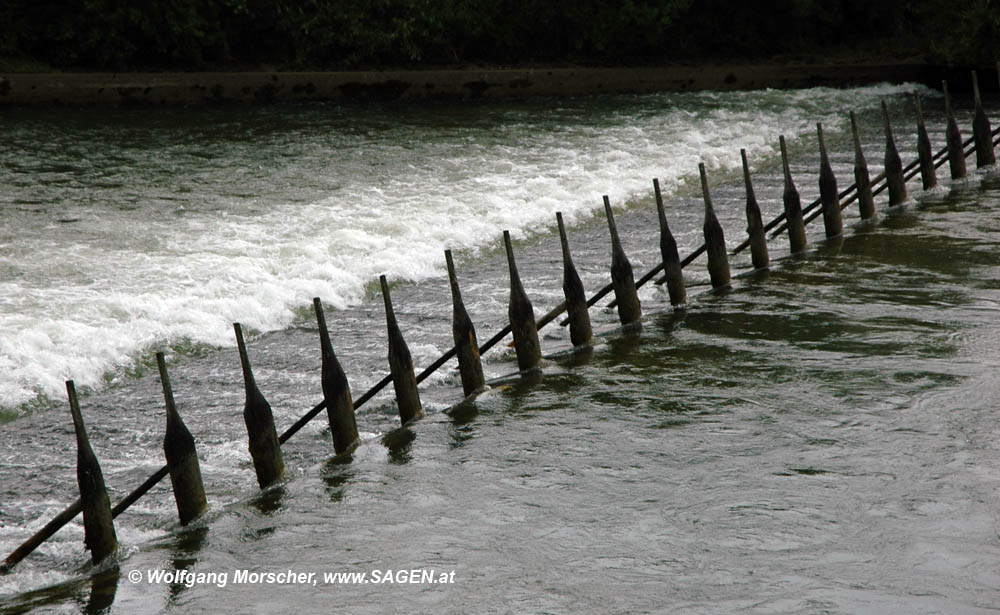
<point x="822" y="438"/>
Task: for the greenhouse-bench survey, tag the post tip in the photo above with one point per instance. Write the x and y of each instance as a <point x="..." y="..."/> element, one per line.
<point x="71" y="394"/>
<point x="386" y="299"/>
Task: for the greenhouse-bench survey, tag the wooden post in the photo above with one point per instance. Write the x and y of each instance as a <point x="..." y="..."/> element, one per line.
<point x="928" y="172"/>
<point x="981" y="130"/>
<point x="99" y="529"/>
<point x="404" y="381"/>
<point x="580" y="332"/>
<point x="622" y="278"/>
<point x="182" y="458"/>
<point x="755" y="223"/>
<point x="470" y="366"/>
<point x="953" y="136"/>
<point x="522" y="317"/>
<point x="336" y="390"/>
<point x="893" y="164"/>
<point x="832" y="221"/>
<point x="673" y="274"/>
<point x="866" y="201"/>
<point x="715" y="240"/>
<point x="263" y="438"/>
<point x="793" y="205"/>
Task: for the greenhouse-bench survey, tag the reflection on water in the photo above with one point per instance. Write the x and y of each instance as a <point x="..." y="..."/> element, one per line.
<point x="186" y="546"/>
<point x="399" y="443"/>
<point x="103" y="588"/>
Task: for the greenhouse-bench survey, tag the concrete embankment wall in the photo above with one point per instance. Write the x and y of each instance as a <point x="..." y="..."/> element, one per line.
<point x="452" y="84"/>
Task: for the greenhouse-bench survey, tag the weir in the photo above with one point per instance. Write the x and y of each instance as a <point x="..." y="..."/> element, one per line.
<point x="182" y="461"/>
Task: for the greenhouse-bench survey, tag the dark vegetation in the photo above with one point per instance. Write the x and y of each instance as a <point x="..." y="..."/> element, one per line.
<point x="357" y="34"/>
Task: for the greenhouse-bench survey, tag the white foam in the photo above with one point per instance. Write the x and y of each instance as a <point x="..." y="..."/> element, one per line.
<point x="91" y="296"/>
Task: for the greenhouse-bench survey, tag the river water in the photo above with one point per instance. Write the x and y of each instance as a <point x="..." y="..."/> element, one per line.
<point x="823" y="438"/>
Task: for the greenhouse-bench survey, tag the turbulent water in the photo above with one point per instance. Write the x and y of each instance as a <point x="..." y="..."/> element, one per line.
<point x="823" y="438"/>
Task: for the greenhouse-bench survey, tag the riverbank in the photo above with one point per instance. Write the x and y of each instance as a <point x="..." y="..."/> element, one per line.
<point x="449" y="84"/>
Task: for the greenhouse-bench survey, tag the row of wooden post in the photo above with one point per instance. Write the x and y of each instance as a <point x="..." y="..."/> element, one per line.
<point x="265" y="444"/>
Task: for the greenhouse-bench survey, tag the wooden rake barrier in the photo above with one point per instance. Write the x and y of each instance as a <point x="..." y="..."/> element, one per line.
<point x="264" y="443"/>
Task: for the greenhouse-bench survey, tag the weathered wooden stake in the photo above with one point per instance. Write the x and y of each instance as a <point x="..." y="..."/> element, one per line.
<point x="793" y="205"/>
<point x="928" y="172"/>
<point x="404" y="381"/>
<point x="981" y="130"/>
<point x="715" y="240"/>
<point x="182" y="458"/>
<point x="673" y="274"/>
<point x="755" y="223"/>
<point x="580" y="331"/>
<point x="893" y="164"/>
<point x="263" y="438"/>
<point x="470" y="366"/>
<point x="832" y="221"/>
<point x="98" y="528"/>
<point x="336" y="390"/>
<point x="953" y="136"/>
<point x="522" y="317"/>
<point x="866" y="201"/>
<point x="622" y="278"/>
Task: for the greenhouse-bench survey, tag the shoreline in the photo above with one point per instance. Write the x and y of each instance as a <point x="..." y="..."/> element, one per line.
<point x="382" y="86"/>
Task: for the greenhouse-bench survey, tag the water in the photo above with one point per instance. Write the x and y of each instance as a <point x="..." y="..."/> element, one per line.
<point x="820" y="439"/>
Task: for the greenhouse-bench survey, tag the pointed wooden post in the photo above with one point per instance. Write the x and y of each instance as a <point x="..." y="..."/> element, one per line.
<point x="793" y="205"/>
<point x="832" y="221"/>
<point x="336" y="390"/>
<point x="928" y="172"/>
<point x="622" y="278"/>
<point x="470" y="366"/>
<point x="755" y="224"/>
<point x="404" y="381"/>
<point x="953" y="136"/>
<point x="263" y="438"/>
<point x="981" y="130"/>
<point x="522" y="317"/>
<point x="580" y="332"/>
<point x="98" y="528"/>
<point x="182" y="458"/>
<point x="893" y="165"/>
<point x="715" y="240"/>
<point x="673" y="274"/>
<point x="862" y="179"/>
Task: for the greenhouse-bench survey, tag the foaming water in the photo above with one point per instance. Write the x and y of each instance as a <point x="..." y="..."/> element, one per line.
<point x="128" y="230"/>
<point x="819" y="438"/>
